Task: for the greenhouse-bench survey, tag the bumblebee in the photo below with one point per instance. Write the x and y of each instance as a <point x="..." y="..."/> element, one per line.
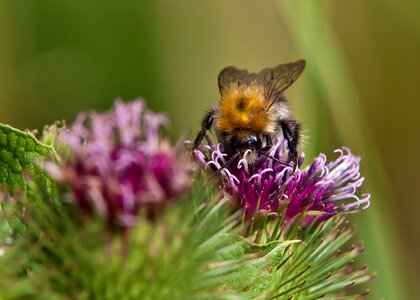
<point x="252" y="111"/>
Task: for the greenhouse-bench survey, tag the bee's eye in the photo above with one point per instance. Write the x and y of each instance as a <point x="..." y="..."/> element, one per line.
<point x="252" y="140"/>
<point x="257" y="142"/>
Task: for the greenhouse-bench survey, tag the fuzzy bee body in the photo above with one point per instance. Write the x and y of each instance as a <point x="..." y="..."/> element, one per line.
<point x="252" y="110"/>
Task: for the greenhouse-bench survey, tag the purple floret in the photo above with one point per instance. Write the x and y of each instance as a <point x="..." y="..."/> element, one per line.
<point x="120" y="163"/>
<point x="264" y="186"/>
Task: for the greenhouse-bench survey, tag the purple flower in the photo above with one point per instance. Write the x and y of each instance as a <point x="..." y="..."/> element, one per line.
<point x="320" y="190"/>
<point x="119" y="163"/>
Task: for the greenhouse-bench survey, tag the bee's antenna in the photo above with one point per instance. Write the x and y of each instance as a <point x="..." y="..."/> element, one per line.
<point x="225" y="165"/>
<point x="271" y="157"/>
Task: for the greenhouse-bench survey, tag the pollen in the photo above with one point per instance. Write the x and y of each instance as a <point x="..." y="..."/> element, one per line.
<point x="243" y="107"/>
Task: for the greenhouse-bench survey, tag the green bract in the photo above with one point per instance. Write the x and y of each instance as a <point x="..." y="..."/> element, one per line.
<point x="196" y="249"/>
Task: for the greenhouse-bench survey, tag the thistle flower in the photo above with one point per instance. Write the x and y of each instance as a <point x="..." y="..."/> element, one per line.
<point x="320" y="190"/>
<point x="119" y="163"/>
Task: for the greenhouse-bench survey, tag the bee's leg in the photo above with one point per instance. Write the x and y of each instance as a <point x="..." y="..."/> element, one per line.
<point x="291" y="132"/>
<point x="205" y="125"/>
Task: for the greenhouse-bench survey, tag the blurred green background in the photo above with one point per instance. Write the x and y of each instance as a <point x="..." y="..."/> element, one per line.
<point x="360" y="88"/>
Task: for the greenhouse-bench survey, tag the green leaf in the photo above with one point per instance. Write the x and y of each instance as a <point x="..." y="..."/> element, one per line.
<point x="20" y="155"/>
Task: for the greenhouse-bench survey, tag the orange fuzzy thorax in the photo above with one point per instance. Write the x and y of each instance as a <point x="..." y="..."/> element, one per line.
<point x="243" y="108"/>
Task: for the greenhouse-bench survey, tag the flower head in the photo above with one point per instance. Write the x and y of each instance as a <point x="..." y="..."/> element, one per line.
<point x="119" y="163"/>
<point x="320" y="190"/>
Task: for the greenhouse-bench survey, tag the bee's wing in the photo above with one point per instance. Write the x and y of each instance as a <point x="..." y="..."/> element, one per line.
<point x="279" y="78"/>
<point x="231" y="74"/>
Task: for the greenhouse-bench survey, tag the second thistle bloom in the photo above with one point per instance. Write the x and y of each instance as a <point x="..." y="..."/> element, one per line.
<point x="120" y="163"/>
<point x="321" y="190"/>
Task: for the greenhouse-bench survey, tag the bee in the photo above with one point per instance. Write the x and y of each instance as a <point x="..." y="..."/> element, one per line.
<point x="253" y="111"/>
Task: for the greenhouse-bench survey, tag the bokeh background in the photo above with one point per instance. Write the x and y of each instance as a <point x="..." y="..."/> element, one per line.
<point x="360" y="88"/>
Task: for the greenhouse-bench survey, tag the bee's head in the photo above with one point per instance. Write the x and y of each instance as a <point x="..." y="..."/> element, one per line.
<point x="241" y="144"/>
